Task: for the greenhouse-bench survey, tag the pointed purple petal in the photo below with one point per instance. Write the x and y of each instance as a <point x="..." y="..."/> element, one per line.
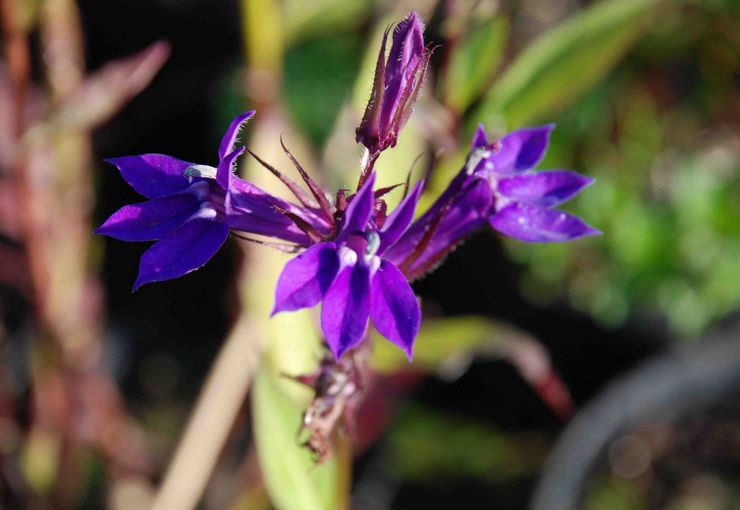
<point x="522" y="149"/>
<point x="394" y="309"/>
<point x="147" y="221"/>
<point x="543" y="189"/>
<point x="153" y="175"/>
<point x="226" y="167"/>
<point x="400" y="219"/>
<point x="306" y="278"/>
<point x="408" y="43"/>
<point x="404" y="60"/>
<point x="537" y="225"/>
<point x="358" y="212"/>
<point x="480" y="139"/>
<point x="232" y="133"/>
<point x="183" y="250"/>
<point x="346" y="308"/>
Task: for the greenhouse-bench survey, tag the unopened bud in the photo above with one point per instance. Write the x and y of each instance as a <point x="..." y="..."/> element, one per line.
<point x="397" y="82"/>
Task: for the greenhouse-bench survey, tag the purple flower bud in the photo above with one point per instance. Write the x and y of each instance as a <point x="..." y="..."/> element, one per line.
<point x="396" y="85"/>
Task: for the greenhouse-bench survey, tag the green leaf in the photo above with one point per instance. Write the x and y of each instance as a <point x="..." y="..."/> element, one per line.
<point x="445" y="343"/>
<point x="565" y="62"/>
<point x="474" y="62"/>
<point x="292" y="479"/>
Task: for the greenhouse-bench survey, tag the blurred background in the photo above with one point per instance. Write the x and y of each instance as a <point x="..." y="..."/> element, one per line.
<point x="97" y="383"/>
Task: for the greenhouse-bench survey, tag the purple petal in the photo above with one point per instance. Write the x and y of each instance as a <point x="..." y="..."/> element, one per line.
<point x="394" y="309"/>
<point x="404" y="60"/>
<point x="345" y="310"/>
<point x="522" y="149"/>
<point x="226" y="167"/>
<point x="147" y="221"/>
<point x="153" y="175"/>
<point x="358" y="212"/>
<point x="183" y="250"/>
<point x="480" y="139"/>
<point x="400" y="219"/>
<point x="543" y="189"/>
<point x="537" y="225"/>
<point x="306" y="278"/>
<point x="232" y="133"/>
<point x="250" y="209"/>
<point x="408" y="44"/>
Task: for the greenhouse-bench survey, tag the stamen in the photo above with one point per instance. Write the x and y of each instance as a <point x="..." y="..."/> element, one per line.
<point x="373" y="243"/>
<point x="347" y="256"/>
<point x="208" y="211"/>
<point x="475" y="158"/>
<point x="202" y="171"/>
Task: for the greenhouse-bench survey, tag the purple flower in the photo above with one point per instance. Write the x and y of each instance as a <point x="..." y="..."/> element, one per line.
<point x="352" y="279"/>
<point x="355" y="259"/>
<point x="524" y="200"/>
<point x="192" y="209"/>
<point x="496" y="186"/>
<point x="186" y="211"/>
<point x="395" y="87"/>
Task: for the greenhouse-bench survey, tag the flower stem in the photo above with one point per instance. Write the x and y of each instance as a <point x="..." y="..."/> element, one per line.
<point x="367" y="164"/>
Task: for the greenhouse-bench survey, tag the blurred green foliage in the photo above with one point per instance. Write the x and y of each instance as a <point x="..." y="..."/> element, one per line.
<point x="304" y="20"/>
<point x="665" y="156"/>
<point x="319" y="75"/>
<point x="461" y="448"/>
<point x="473" y="64"/>
<point x="615" y="494"/>
<point x="446" y="342"/>
<point x="565" y="62"/>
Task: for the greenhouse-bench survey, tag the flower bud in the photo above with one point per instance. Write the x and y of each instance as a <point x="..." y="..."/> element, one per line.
<point x="396" y="85"/>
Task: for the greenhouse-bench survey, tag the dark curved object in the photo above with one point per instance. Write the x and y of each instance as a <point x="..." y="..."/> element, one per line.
<point x="690" y="377"/>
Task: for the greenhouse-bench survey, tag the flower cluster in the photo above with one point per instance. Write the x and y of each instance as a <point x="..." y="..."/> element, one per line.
<point x="355" y="258"/>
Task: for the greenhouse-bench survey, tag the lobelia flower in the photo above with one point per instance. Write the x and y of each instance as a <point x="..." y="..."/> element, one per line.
<point x="396" y="84"/>
<point x="352" y="279"/>
<point x="496" y="186"/>
<point x="355" y="259"/>
<point x="192" y="209"/>
<point x="186" y="211"/>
